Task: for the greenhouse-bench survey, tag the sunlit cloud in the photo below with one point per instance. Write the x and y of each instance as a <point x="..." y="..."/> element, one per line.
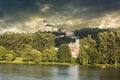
<point x="45" y="7"/>
<point x="110" y="20"/>
<point x="1" y="21"/>
<point x="13" y="29"/>
<point x="28" y="15"/>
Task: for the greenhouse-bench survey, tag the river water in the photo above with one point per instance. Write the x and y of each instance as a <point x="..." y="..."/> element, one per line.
<point x="57" y="72"/>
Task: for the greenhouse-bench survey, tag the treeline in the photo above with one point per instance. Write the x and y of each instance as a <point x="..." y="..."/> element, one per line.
<point x="17" y="41"/>
<point x="28" y="46"/>
<point x="37" y="47"/>
<point x="78" y="33"/>
<point x="40" y="47"/>
<point x="89" y="31"/>
<point x="105" y="49"/>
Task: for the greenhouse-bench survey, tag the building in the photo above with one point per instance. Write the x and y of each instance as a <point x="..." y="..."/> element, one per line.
<point x="69" y="33"/>
<point x="54" y="29"/>
<point x="47" y="27"/>
<point x="75" y="48"/>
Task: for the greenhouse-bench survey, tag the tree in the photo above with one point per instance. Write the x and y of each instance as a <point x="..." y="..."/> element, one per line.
<point x="83" y="58"/>
<point x="6" y="55"/>
<point x="109" y="46"/>
<point x="62" y="40"/>
<point x="3" y="51"/>
<point x="15" y="41"/>
<point x="88" y="51"/>
<point x="84" y="32"/>
<point x="64" y="54"/>
<point x="10" y="56"/>
<point x="26" y="54"/>
<point x="31" y="54"/>
<point x="36" y="56"/>
<point x="103" y="46"/>
<point x="41" y="41"/>
<point x="94" y="56"/>
<point x="49" y="55"/>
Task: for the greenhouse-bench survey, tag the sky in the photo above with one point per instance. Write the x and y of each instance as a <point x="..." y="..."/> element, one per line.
<point x="27" y="15"/>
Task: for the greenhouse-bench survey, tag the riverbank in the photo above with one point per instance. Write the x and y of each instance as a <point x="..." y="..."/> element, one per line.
<point x="108" y="65"/>
<point x="18" y="60"/>
<point x="104" y="65"/>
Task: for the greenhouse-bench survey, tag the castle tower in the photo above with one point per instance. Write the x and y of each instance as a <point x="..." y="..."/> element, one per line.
<point x="77" y="42"/>
<point x="45" y="23"/>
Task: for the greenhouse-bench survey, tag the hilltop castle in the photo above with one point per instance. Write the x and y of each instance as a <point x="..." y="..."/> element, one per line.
<point x="47" y="27"/>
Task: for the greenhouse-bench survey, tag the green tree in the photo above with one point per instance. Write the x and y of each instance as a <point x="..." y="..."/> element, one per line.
<point x="36" y="56"/>
<point x="102" y="46"/>
<point x="41" y="41"/>
<point x="88" y="51"/>
<point x="83" y="58"/>
<point x="27" y="56"/>
<point x="94" y="56"/>
<point x="64" y="54"/>
<point x="109" y="46"/>
<point x="31" y="54"/>
<point x="49" y="55"/>
<point x="10" y="56"/>
<point x="15" y="41"/>
<point x="3" y="51"/>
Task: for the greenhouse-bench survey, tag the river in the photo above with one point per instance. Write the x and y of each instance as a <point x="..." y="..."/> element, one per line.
<point x="57" y="72"/>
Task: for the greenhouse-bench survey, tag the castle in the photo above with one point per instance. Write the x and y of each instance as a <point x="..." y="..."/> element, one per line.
<point x="47" y="27"/>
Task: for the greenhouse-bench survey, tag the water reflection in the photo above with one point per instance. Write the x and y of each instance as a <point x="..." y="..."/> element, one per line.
<point x="110" y="74"/>
<point x="89" y="73"/>
<point x="67" y="73"/>
<point x="55" y="72"/>
<point x="74" y="72"/>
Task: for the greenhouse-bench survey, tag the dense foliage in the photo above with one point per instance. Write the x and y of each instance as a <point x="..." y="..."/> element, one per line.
<point x="105" y="50"/>
<point x="62" y="40"/>
<point x="30" y="54"/>
<point x="98" y="48"/>
<point x="49" y="55"/>
<point x="88" y="31"/>
<point x="88" y="51"/>
<point x="28" y="46"/>
<point x="64" y="54"/>
<point x="17" y="41"/>
<point x="6" y="55"/>
<point x="109" y="46"/>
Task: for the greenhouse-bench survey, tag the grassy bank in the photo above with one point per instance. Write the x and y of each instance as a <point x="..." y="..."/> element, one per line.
<point x="108" y="65"/>
<point x="19" y="60"/>
<point x="104" y="65"/>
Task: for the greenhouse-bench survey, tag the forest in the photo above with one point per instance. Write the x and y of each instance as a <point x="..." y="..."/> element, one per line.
<point x="100" y="47"/>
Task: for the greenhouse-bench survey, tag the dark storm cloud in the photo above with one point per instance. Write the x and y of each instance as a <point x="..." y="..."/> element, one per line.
<point x="16" y="11"/>
<point x="12" y="7"/>
<point x="16" y="8"/>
